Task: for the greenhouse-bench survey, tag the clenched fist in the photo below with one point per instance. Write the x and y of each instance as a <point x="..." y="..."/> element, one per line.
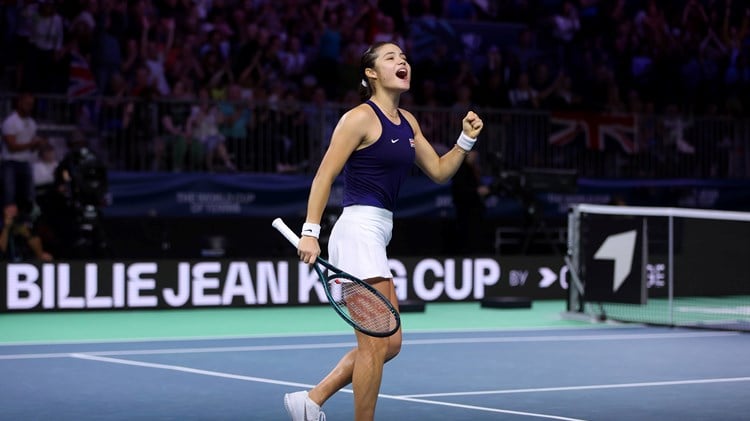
<point x="472" y="125"/>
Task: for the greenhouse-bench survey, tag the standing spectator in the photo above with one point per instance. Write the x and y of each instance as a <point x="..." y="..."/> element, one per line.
<point x="140" y="121"/>
<point x="235" y="121"/>
<point x="465" y="77"/>
<point x="20" y="142"/>
<point x="46" y="42"/>
<point x="203" y="124"/>
<point x="566" y="23"/>
<point x="386" y="31"/>
<point x="523" y="95"/>
<point x="153" y="54"/>
<point x="494" y="76"/>
<point x="293" y="59"/>
<point x="17" y="23"/>
<point x="183" y="62"/>
<point x="468" y="193"/>
<point x="186" y="152"/>
<point x="107" y="50"/>
<point x="321" y="119"/>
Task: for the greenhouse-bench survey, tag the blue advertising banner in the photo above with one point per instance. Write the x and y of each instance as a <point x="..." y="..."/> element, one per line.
<point x="272" y="195"/>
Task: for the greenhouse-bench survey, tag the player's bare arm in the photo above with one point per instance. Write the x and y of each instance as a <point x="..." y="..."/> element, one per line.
<point x="440" y="169"/>
<point x="354" y="129"/>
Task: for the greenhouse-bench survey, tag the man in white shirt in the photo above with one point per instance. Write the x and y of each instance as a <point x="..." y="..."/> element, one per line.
<point x="19" y="146"/>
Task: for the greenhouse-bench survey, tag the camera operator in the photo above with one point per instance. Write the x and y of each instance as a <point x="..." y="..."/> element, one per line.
<point x="72" y="210"/>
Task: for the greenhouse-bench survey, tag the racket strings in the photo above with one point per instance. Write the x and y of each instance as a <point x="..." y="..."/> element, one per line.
<point x="367" y="309"/>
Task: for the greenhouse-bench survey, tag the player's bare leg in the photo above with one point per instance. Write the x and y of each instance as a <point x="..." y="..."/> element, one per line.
<point x="363" y="366"/>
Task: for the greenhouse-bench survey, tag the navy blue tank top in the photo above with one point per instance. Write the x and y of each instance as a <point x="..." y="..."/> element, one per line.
<point x="373" y="175"/>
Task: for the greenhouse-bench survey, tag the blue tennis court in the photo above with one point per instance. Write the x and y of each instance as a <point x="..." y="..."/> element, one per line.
<point x="563" y="371"/>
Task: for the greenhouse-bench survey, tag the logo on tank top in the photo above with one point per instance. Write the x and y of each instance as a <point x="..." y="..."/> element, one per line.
<point x="411" y="142"/>
<point x="394" y="140"/>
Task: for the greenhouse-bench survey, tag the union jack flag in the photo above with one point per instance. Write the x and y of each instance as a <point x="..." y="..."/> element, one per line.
<point x="81" y="82"/>
<point x="596" y="129"/>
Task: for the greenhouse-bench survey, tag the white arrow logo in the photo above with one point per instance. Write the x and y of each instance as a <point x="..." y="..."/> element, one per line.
<point x="620" y="248"/>
<point x="548" y="277"/>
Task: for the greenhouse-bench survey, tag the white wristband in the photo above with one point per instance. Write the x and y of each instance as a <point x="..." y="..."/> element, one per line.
<point x="465" y="142"/>
<point x="311" y="230"/>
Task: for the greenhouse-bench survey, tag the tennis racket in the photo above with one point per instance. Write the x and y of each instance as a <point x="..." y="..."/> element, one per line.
<point x="360" y="305"/>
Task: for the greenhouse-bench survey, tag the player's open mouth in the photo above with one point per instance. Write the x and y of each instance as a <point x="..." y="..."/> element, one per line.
<point x="401" y="73"/>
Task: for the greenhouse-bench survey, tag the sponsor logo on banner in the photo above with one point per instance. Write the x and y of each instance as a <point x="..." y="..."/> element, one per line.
<point x="615" y="266"/>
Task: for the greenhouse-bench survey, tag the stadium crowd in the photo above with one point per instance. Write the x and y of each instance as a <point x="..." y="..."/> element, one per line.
<point x="592" y="54"/>
<point x="182" y="84"/>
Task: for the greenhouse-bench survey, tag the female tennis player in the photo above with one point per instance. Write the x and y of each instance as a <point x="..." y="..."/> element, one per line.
<point x="375" y="144"/>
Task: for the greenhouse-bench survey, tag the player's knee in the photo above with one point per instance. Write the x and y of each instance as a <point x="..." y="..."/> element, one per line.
<point x="394" y="347"/>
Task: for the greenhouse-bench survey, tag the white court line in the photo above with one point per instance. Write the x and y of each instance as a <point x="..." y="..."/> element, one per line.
<point x="162" y="351"/>
<point x="301" y="385"/>
<point x="587" y="387"/>
<point x="188" y="370"/>
<point x="304" y="335"/>
<point x="481" y="408"/>
<point x="453" y="341"/>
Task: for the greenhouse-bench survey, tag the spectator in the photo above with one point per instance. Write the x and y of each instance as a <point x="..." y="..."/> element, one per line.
<point x="675" y="126"/>
<point x="321" y="119"/>
<point x="563" y="97"/>
<point x="465" y="77"/>
<point x="183" y="63"/>
<point x="186" y="152"/>
<point x="544" y="83"/>
<point x="18" y="241"/>
<point x="566" y="24"/>
<point x="140" y="122"/>
<point x="293" y="59"/>
<point x="19" y="146"/>
<point x="43" y="169"/>
<point x="42" y="71"/>
<point x="468" y="193"/>
<point x="17" y="30"/>
<point x="107" y="51"/>
<point x="236" y="118"/>
<point x="203" y="125"/>
<point x="523" y="95"/>
<point x="153" y="54"/>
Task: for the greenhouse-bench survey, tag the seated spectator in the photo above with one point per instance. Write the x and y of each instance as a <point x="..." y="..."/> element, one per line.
<point x="18" y="240"/>
<point x="43" y="169"/>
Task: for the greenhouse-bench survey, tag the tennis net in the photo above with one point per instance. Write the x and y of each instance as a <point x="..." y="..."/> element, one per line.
<point x="665" y="266"/>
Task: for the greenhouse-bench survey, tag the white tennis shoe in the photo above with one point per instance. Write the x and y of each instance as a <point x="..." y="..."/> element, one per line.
<point x="302" y="408"/>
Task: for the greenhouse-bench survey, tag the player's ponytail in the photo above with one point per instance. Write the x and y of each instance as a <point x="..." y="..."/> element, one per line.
<point x="365" y="90"/>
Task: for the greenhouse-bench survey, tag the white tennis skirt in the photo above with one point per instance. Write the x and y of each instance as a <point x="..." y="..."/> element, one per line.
<point x="358" y="241"/>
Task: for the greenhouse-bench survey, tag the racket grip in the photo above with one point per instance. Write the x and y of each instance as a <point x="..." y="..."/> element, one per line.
<point x="285" y="231"/>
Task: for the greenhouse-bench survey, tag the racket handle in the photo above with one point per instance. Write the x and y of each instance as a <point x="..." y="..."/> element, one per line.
<point x="285" y="231"/>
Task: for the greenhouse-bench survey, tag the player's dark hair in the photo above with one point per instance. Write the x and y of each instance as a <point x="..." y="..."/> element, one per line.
<point x="368" y="61"/>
